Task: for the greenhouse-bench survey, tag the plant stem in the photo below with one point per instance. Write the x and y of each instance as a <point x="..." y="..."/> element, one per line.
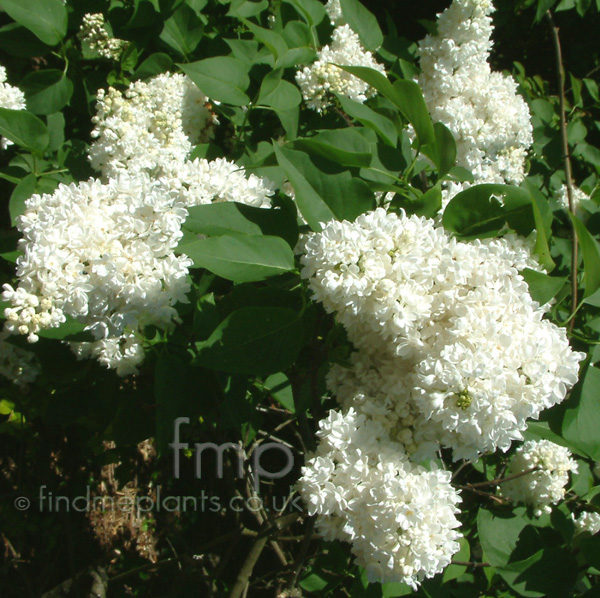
<point x="560" y="70"/>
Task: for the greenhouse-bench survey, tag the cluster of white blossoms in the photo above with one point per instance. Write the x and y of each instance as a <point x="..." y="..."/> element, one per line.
<point x="334" y="12"/>
<point x="103" y="253"/>
<point x="150" y="127"/>
<point x="18" y="365"/>
<point x="94" y="35"/>
<point x="399" y="517"/>
<point x="587" y="522"/>
<point x="10" y="97"/>
<point x="489" y="120"/>
<point x="545" y="486"/>
<point x="322" y="78"/>
<point x="452" y="350"/>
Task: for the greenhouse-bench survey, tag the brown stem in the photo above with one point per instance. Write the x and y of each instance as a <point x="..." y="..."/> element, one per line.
<point x="499" y="481"/>
<point x="246" y="571"/>
<point x="299" y="563"/>
<point x="469" y="564"/>
<point x="566" y="160"/>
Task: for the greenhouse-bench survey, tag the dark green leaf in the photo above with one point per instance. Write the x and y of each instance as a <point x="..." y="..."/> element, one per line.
<point x="314" y="209"/>
<point x="70" y="330"/>
<point x="362" y="22"/>
<point x="154" y="65"/>
<point x="382" y="125"/>
<point x="253" y="340"/>
<point x="223" y="218"/>
<point x="443" y="151"/>
<point x="46" y="91"/>
<point x="22" y="192"/>
<point x="278" y="93"/>
<point x="47" y="19"/>
<point x="581" y="420"/>
<point x="183" y="31"/>
<point x="591" y="257"/>
<point x="280" y="387"/>
<point x="542" y="287"/>
<point x="405" y="95"/>
<point x="222" y="78"/>
<point x="24" y="129"/>
<point x="477" y="212"/>
<point x="343" y="146"/>
<point x="241" y="258"/>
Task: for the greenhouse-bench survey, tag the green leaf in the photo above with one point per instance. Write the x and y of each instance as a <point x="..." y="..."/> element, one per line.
<point x="277" y="93"/>
<point x="477" y="212"/>
<point x="542" y="287"/>
<point x="46" y="91"/>
<point x="280" y="387"/>
<point x="363" y="22"/>
<point x="312" y="11"/>
<point x="464" y="555"/>
<point x="314" y="209"/>
<point x="543" y="228"/>
<point x="245" y="10"/>
<point x="581" y="420"/>
<point x="47" y="19"/>
<point x="343" y="146"/>
<point x="222" y="78"/>
<point x="183" y="31"/>
<point x="271" y="39"/>
<point x="253" y="340"/>
<point x="24" y="129"/>
<point x="154" y="65"/>
<point x="427" y="205"/>
<point x="443" y="151"/>
<point x="224" y="218"/>
<point x="21" y="193"/>
<point x="543" y="6"/>
<point x="405" y="95"/>
<point x="591" y="257"/>
<point x="70" y="330"/>
<point x="344" y="195"/>
<point x="382" y="125"/>
<point x="241" y="258"/>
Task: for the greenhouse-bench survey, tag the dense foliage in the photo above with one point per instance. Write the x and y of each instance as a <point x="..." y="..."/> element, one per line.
<point x="300" y="299"/>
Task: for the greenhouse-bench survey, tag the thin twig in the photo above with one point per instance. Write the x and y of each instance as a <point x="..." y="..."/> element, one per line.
<point x="560" y="70"/>
<point x="499" y="481"/>
<point x="299" y="563"/>
<point x="469" y="564"/>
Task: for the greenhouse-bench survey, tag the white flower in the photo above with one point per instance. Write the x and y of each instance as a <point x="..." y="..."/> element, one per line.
<point x="152" y="126"/>
<point x="322" y="78"/>
<point x="545" y="486"/>
<point x="587" y="522"/>
<point x="10" y="97"/>
<point x="399" y="518"/>
<point x="489" y="120"/>
<point x="95" y="37"/>
<point x="334" y="12"/>
<point x="452" y="350"/>
<point x="103" y="254"/>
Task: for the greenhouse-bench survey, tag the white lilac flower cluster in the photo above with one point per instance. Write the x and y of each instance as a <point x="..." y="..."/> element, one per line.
<point x="150" y="127"/>
<point x="490" y="121"/>
<point x="95" y="37"/>
<point x="587" y="522"/>
<point x="18" y="365"/>
<point x="399" y="517"/>
<point x="102" y="251"/>
<point x="334" y="12"/>
<point x="451" y="349"/>
<point x="323" y="78"/>
<point x="10" y="97"/>
<point x="546" y="485"/>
